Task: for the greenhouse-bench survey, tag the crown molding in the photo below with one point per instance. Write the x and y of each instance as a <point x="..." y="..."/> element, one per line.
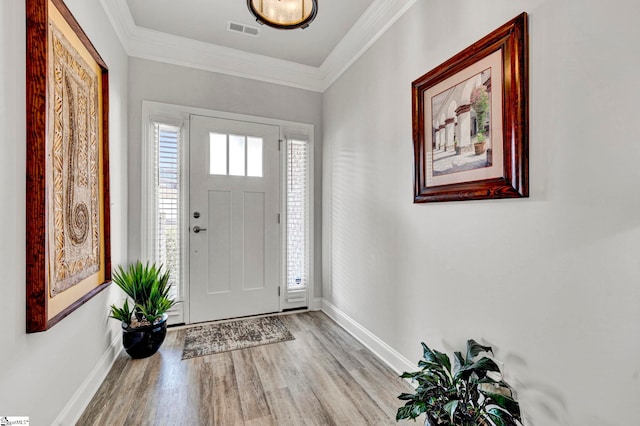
<point x="157" y="46"/>
<point x="121" y="20"/>
<point x="376" y="20"/>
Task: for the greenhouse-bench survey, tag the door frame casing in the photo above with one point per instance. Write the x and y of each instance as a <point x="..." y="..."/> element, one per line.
<point x="179" y="115"/>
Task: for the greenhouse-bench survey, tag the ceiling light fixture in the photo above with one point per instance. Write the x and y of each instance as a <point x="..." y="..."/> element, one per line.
<point x="284" y="14"/>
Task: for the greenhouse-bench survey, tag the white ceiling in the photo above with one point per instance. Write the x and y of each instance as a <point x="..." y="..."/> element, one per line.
<point x="194" y="33"/>
<point x="206" y="20"/>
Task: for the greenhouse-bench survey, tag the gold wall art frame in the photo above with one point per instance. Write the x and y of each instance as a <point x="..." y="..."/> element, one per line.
<point x="67" y="200"/>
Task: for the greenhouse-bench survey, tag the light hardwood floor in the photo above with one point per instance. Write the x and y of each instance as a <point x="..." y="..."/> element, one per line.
<point x="323" y="377"/>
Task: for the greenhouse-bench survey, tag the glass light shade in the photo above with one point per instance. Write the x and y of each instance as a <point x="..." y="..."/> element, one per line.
<point x="284" y="14"/>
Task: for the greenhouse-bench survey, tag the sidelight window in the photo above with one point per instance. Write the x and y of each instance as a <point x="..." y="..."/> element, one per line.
<point x="167" y="195"/>
<point x="298" y="215"/>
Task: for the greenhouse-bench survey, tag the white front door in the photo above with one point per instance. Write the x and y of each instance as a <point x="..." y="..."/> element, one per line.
<point x="234" y="266"/>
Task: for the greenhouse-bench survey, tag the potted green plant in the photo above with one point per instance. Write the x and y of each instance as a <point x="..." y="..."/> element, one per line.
<point x="469" y="394"/>
<point x="144" y="324"/>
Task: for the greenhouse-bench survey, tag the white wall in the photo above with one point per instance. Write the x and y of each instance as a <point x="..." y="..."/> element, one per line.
<point x="553" y="281"/>
<point x="172" y="84"/>
<point x="40" y="373"/>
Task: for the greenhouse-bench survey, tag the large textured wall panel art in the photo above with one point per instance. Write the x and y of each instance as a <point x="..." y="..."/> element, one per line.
<point x="75" y="246"/>
<point x="68" y="217"/>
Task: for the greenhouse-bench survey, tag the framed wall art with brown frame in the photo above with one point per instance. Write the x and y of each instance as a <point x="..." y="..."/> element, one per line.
<point x="470" y="121"/>
<point x="67" y="200"/>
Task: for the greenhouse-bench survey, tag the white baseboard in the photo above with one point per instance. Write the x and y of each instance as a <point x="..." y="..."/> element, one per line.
<point x="315" y="304"/>
<point x="71" y="412"/>
<point x="386" y="353"/>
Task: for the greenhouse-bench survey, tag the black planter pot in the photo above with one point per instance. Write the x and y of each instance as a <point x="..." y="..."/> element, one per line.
<point x="142" y="342"/>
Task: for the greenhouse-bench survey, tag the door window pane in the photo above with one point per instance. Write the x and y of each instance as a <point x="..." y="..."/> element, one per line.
<point x="254" y="157"/>
<point x="236" y="155"/>
<point x="218" y="154"/>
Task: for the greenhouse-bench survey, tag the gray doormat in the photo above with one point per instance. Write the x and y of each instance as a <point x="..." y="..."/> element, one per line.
<point x="209" y="339"/>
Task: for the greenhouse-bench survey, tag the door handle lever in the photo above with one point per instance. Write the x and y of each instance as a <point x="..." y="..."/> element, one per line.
<point x="197" y="229"/>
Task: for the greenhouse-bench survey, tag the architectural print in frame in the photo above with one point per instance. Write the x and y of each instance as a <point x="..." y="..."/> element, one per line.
<point x="470" y="121"/>
<point x="68" y="245"/>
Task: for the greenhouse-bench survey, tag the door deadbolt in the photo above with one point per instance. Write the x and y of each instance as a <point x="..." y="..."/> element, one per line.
<point x="196" y="214"/>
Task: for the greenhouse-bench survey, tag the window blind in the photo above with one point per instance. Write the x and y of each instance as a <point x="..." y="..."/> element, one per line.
<point x="297" y="214"/>
<point x="167" y="202"/>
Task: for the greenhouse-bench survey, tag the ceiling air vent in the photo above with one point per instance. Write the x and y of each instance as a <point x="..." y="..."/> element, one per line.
<point x="237" y="27"/>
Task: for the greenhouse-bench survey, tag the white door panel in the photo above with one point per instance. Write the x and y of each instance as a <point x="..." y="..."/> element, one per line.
<point x="234" y="189"/>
